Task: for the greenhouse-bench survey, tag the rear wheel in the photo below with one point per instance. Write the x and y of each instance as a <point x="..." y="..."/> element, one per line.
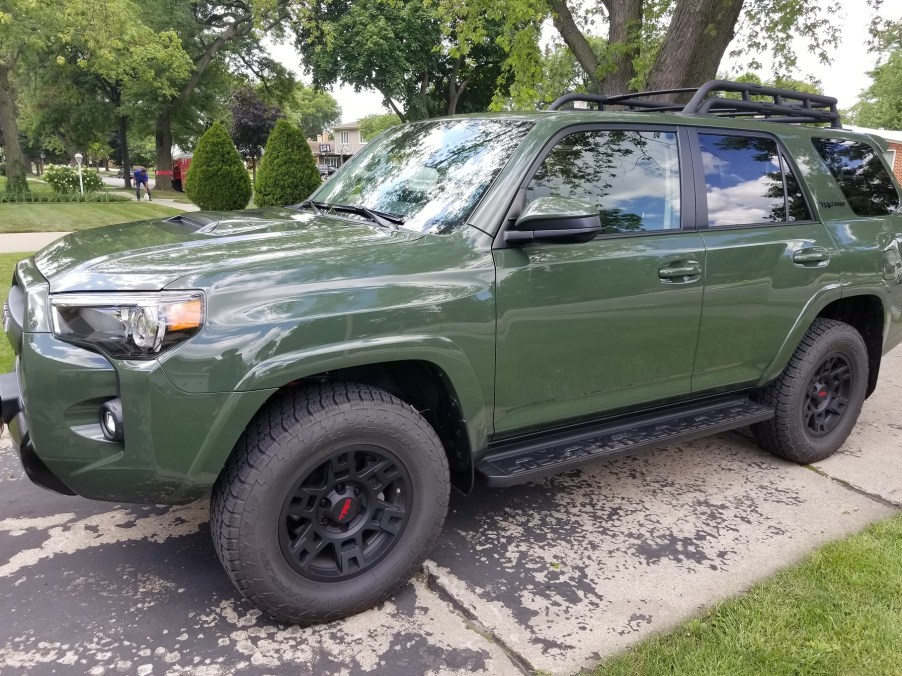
<point x="333" y="497"/>
<point x="818" y="396"/>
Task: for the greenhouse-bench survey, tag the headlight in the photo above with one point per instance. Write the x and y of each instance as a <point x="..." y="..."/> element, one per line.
<point x="128" y="326"/>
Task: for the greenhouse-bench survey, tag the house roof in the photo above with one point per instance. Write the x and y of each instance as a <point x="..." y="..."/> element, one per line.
<point x="892" y="135"/>
<point x="347" y="126"/>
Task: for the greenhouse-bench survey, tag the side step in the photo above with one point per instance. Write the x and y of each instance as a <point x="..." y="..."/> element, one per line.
<point x="518" y="461"/>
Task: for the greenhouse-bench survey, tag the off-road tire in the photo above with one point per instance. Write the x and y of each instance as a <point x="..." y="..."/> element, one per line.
<point x="288" y="439"/>
<point x="788" y="434"/>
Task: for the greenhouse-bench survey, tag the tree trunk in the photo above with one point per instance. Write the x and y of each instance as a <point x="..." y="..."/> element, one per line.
<point x="455" y="90"/>
<point x="164" y="151"/>
<point x="254" y="169"/>
<point x="696" y="40"/>
<point x="576" y="41"/>
<point x="15" y="161"/>
<point x="624" y="35"/>
<point x="123" y="152"/>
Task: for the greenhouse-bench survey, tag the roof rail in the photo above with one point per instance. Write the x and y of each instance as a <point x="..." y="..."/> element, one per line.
<point x="785" y="105"/>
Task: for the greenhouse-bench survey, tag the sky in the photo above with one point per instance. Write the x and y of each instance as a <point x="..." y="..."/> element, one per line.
<point x="844" y="78"/>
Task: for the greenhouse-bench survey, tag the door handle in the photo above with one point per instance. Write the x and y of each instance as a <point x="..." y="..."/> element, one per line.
<point x="680" y="272"/>
<point x="811" y="256"/>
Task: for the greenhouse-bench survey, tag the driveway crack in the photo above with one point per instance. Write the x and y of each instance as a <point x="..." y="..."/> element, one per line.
<point x="886" y="502"/>
<point x="473" y="623"/>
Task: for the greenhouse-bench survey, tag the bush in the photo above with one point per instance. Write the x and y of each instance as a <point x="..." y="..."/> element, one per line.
<point x="287" y="173"/>
<point x="35" y="197"/>
<point x="217" y="178"/>
<point x="64" y="179"/>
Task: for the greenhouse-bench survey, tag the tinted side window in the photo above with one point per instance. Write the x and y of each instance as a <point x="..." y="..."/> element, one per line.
<point x="744" y="180"/>
<point x="632" y="177"/>
<point x="860" y="175"/>
<point x="797" y="207"/>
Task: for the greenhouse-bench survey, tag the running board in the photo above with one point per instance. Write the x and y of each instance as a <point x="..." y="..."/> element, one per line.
<point x="518" y="461"/>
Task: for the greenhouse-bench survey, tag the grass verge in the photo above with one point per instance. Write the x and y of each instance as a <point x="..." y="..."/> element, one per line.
<point x="7" y="265"/>
<point x="838" y="612"/>
<point x="75" y="216"/>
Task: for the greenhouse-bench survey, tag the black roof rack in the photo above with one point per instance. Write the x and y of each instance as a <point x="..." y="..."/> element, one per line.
<point x="785" y="105"/>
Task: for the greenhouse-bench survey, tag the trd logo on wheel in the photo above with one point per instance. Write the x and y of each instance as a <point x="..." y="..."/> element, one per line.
<point x="345" y="509"/>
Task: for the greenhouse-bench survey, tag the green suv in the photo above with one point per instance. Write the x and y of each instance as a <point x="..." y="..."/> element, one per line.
<point x="478" y="298"/>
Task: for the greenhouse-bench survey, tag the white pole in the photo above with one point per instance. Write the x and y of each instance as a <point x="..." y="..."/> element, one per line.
<point x="81" y="183"/>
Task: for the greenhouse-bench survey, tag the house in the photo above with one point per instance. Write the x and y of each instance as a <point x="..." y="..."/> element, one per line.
<point x="332" y="150"/>
<point x="893" y="139"/>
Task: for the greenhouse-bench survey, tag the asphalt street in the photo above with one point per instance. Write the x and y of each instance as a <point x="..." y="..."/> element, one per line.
<point x="550" y="576"/>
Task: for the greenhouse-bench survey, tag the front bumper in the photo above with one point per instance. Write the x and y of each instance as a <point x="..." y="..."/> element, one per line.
<point x="175" y="443"/>
<point x="12" y="413"/>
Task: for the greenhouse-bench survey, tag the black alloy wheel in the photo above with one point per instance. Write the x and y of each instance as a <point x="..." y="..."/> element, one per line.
<point x="329" y="502"/>
<point x="818" y="396"/>
<point x="343" y="517"/>
<point x="828" y="395"/>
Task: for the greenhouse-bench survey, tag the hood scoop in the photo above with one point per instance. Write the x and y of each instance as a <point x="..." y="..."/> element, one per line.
<point x="211" y="223"/>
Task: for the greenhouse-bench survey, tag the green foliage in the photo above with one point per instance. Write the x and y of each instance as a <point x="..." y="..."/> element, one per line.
<point x="217" y="178"/>
<point x="35" y="197"/>
<point x="142" y="151"/>
<point x="880" y="105"/>
<point x="373" y="125"/>
<point x="64" y="179"/>
<point x="287" y="173"/>
<point x="313" y="110"/>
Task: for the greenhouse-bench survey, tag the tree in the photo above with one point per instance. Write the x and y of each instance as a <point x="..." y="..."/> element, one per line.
<point x="880" y="104"/>
<point x="25" y="27"/>
<point x="660" y="44"/>
<point x="252" y="121"/>
<point x="313" y="110"/>
<point x="206" y="30"/>
<point x="133" y="65"/>
<point x="373" y="125"/>
<point x="426" y="57"/>
<point x="217" y="178"/>
<point x="288" y="173"/>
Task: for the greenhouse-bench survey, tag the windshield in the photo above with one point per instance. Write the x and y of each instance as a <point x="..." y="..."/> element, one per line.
<point x="430" y="174"/>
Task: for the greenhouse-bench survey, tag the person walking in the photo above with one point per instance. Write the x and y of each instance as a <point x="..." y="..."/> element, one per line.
<point x="141" y="178"/>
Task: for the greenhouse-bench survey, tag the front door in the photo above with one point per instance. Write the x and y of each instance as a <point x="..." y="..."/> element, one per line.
<point x="587" y="328"/>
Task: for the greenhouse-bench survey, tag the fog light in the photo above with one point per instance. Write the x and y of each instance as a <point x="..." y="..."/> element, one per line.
<point x="111" y="419"/>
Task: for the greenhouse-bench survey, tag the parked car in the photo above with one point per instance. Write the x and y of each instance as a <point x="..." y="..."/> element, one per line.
<point x="325" y="171"/>
<point x="485" y="298"/>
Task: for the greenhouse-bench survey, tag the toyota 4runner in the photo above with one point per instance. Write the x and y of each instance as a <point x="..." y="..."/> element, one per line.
<point x="484" y="297"/>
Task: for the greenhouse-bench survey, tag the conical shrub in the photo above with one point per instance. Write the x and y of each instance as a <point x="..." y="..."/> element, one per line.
<point x="217" y="179"/>
<point x="288" y="173"/>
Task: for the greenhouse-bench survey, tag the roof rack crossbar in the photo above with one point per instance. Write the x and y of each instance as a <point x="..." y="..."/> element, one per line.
<point x="800" y="113"/>
<point x="786" y="106"/>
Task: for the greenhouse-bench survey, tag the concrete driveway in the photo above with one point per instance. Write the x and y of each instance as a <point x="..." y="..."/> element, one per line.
<point x="547" y="577"/>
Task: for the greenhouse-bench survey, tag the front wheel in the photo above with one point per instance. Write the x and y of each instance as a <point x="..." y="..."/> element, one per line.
<point x="332" y="498"/>
<point x="818" y="396"/>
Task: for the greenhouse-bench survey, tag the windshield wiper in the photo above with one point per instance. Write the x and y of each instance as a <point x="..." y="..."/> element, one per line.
<point x="378" y="217"/>
<point x="316" y="206"/>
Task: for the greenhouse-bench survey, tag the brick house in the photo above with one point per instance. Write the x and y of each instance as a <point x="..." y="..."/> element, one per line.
<point x="333" y="152"/>
<point x="894" y="152"/>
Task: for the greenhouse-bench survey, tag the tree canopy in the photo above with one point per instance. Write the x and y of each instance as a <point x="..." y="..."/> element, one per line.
<point x="313" y="110"/>
<point x="880" y="105"/>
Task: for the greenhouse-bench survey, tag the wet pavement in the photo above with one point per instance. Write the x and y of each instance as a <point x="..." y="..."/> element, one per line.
<point x="547" y="577"/>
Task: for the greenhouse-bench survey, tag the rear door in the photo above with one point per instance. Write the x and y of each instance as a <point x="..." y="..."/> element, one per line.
<point x="587" y="328"/>
<point x="767" y="257"/>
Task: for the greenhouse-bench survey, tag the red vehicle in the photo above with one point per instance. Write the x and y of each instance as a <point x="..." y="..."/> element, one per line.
<point x="180" y="164"/>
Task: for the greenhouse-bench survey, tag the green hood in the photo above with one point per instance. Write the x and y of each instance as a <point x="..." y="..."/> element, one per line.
<point x="149" y="255"/>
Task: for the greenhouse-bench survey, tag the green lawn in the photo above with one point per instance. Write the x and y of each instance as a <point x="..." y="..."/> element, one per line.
<point x="66" y="217"/>
<point x="839" y="612"/>
<point x="7" y="263"/>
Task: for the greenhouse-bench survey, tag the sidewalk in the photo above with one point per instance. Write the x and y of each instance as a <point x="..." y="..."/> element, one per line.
<point x="15" y="242"/>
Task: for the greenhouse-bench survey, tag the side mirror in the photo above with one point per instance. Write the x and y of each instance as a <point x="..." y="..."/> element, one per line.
<point x="555" y="219"/>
